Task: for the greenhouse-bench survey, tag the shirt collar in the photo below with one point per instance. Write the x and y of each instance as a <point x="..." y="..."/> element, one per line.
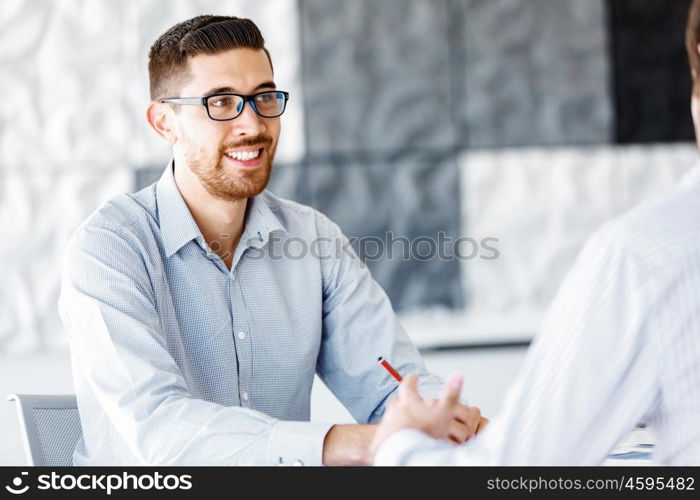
<point x="260" y="222"/>
<point x="177" y="226"/>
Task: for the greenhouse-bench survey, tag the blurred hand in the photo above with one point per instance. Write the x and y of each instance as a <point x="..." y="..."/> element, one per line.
<point x="445" y="418"/>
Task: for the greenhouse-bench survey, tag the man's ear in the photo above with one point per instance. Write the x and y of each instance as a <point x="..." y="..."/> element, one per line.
<point x="162" y="119"/>
<point x="695" y="112"/>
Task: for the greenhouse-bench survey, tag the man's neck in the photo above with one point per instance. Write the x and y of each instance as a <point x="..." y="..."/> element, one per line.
<point x="220" y="221"/>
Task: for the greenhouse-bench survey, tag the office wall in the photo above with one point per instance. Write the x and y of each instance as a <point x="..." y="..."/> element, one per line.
<point x="528" y="121"/>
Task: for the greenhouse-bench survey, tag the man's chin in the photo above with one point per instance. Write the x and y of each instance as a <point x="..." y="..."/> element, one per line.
<point x="234" y="182"/>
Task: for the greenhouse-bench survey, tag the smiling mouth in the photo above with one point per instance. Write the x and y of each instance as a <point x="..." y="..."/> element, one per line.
<point x="244" y="155"/>
<point x="247" y="158"/>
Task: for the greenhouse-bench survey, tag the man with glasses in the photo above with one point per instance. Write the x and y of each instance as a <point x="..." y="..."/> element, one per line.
<point x="194" y="339"/>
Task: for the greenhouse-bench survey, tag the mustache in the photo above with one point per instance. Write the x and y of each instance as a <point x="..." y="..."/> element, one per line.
<point x="260" y="140"/>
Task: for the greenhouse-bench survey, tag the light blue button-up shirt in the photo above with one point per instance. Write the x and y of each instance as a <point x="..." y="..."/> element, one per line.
<point x="179" y="360"/>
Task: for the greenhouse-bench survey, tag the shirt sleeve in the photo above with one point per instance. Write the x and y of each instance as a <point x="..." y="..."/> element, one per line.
<point x="590" y="375"/>
<point x="121" y="360"/>
<point x="359" y="326"/>
<point x="413" y="447"/>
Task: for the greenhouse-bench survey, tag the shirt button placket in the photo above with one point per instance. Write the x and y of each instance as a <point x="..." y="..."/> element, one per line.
<point x="243" y="346"/>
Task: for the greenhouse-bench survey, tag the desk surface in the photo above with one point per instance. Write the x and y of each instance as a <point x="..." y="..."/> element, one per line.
<point x="635" y="449"/>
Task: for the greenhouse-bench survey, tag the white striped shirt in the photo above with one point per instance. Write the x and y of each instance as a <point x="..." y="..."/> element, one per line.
<point x="619" y="345"/>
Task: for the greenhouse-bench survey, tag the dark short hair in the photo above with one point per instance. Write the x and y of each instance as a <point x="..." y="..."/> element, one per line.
<point x="692" y="39"/>
<point x="169" y="54"/>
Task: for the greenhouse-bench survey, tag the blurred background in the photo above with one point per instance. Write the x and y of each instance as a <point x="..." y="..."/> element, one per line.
<point x="529" y="121"/>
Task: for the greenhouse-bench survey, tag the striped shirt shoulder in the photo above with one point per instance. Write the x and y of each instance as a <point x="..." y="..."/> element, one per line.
<point x="663" y="230"/>
<point x="129" y="216"/>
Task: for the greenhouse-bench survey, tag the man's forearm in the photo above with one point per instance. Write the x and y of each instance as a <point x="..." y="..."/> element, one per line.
<point x="348" y="444"/>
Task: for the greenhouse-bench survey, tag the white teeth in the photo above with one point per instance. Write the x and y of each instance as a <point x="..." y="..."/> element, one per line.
<point x="243" y="155"/>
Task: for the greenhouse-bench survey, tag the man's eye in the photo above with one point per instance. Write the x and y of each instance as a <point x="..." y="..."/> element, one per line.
<point x="221" y="102"/>
<point x="266" y="98"/>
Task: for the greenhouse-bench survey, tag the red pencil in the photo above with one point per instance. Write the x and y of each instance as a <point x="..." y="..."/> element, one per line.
<point x="390" y="369"/>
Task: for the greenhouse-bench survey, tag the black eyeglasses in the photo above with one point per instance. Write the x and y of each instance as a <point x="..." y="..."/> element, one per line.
<point x="223" y="107"/>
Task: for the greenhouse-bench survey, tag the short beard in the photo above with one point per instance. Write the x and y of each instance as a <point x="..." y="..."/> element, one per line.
<point x="218" y="182"/>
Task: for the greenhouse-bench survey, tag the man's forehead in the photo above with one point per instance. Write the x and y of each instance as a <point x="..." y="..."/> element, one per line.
<point x="239" y="70"/>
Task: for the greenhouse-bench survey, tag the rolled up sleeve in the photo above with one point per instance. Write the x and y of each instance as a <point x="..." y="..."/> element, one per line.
<point x="359" y="326"/>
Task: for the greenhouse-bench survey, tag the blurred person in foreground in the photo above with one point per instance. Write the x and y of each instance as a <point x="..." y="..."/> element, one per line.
<point x="194" y="336"/>
<point x="620" y="345"/>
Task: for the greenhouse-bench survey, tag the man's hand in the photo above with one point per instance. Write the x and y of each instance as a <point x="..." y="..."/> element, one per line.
<point x="445" y="418"/>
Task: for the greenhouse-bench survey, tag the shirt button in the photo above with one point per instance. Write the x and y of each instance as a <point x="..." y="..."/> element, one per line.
<point x="245" y="396"/>
<point x="241" y="335"/>
<point x="233" y="277"/>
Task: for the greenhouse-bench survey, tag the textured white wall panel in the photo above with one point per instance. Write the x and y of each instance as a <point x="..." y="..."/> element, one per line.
<point x="542" y="204"/>
<point x="75" y="85"/>
<point x="38" y="213"/>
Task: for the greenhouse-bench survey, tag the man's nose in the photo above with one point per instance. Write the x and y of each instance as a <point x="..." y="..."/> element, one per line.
<point x="248" y="122"/>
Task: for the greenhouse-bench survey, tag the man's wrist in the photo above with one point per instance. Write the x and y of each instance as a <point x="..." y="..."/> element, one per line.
<point x="348" y="444"/>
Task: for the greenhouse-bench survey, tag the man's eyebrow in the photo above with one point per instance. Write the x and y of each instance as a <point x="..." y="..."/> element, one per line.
<point x="231" y="90"/>
<point x="266" y="85"/>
